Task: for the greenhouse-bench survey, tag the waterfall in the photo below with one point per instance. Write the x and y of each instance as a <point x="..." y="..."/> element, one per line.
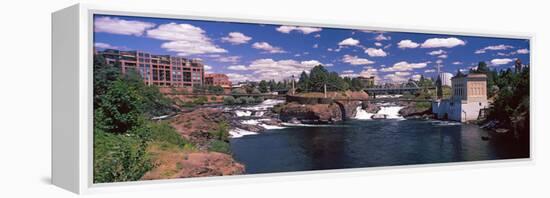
<point x="392" y="112"/>
<point x="362" y="114"/>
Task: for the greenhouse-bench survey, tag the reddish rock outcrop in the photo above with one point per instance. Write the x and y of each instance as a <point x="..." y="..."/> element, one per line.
<point x="311" y="114"/>
<point x="195" y="126"/>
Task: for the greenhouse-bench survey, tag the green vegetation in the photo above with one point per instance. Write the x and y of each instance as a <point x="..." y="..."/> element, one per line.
<point x="123" y="105"/>
<point x="220" y="143"/>
<point x="242" y="100"/>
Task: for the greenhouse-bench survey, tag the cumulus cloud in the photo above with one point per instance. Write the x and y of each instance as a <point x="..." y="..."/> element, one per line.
<point x="121" y="26"/>
<point x="381" y="37"/>
<point x="105" y="46"/>
<point x="442" y="42"/>
<point x="429" y="71"/>
<point x="378" y="44"/>
<point x="228" y="59"/>
<point x="442" y="56"/>
<point x="395" y="78"/>
<point x="267" y="47"/>
<point x="522" y="51"/>
<point x="407" y="44"/>
<point x="437" y="52"/>
<point x="375" y="52"/>
<point x="316" y="46"/>
<point x="185" y="39"/>
<point x="354" y="60"/>
<point x="416" y="77"/>
<point x="267" y="69"/>
<point x="235" y="77"/>
<point x="237" y="67"/>
<point x="402" y="73"/>
<point x="305" y="30"/>
<point x="349" y="42"/>
<point x="457" y="63"/>
<point x="236" y="38"/>
<point x="493" y="48"/>
<point x="207" y="67"/>
<point x="500" y="61"/>
<point x="404" y="66"/>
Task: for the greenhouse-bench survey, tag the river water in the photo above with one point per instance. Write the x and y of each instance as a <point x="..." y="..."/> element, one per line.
<point x="364" y="142"/>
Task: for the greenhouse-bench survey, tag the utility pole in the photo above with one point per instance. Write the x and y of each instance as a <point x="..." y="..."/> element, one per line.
<point x="325" y="90"/>
<point x="293" y="89"/>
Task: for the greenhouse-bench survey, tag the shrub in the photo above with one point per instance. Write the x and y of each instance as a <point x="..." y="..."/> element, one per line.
<point x="219" y="146"/>
<point x="229" y="100"/>
<point x="163" y="132"/>
<point x="119" y="157"/>
<point x="213" y="98"/>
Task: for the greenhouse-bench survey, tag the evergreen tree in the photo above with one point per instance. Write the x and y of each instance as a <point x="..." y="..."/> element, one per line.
<point x="303" y="82"/>
<point x="318" y="78"/>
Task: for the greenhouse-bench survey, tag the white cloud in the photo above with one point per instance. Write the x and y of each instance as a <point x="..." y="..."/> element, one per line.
<point x="442" y="56"/>
<point x="522" y="51"/>
<point x="237" y="67"/>
<point x="105" y="46"/>
<point x="429" y="71"/>
<point x="316" y="46"/>
<point x="354" y="60"/>
<point x="305" y="30"/>
<point x="442" y="42"/>
<point x="407" y="44"/>
<point x="347" y="71"/>
<point x="120" y="26"/>
<point x="375" y="52"/>
<point x="402" y="73"/>
<point x="395" y="78"/>
<point x="349" y="41"/>
<point x="184" y="39"/>
<point x="501" y="61"/>
<point x="439" y="61"/>
<point x="228" y="59"/>
<point x="235" y="77"/>
<point x="267" y="69"/>
<point x="416" y="77"/>
<point x="493" y="48"/>
<point x="317" y="36"/>
<point x="381" y="37"/>
<point x="404" y="66"/>
<point x="207" y="67"/>
<point x="457" y="63"/>
<point x="437" y="52"/>
<point x="378" y="44"/>
<point x="267" y="47"/>
<point x="236" y="38"/>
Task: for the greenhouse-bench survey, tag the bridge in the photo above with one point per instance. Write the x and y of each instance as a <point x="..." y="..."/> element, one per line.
<point x="410" y="87"/>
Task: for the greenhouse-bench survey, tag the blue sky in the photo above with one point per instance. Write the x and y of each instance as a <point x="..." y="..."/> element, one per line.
<point x="261" y="51"/>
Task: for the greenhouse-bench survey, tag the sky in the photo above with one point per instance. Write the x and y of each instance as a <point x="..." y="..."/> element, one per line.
<point x="248" y="51"/>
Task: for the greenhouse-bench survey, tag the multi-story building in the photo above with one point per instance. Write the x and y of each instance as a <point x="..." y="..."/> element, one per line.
<point x="367" y="81"/>
<point x="160" y="70"/>
<point x="445" y="78"/>
<point x="217" y="80"/>
<point x="469" y="98"/>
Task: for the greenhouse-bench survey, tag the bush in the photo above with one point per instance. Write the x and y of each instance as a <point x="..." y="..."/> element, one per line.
<point x="221" y="132"/>
<point x="229" y="100"/>
<point x="259" y="100"/>
<point x="213" y="98"/>
<point x="201" y="100"/>
<point x="119" y="157"/>
<point x="163" y="132"/>
<point x="219" y="146"/>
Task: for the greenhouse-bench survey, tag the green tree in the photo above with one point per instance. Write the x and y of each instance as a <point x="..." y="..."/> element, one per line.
<point x="303" y="82"/>
<point x="263" y="87"/>
<point x="318" y="77"/>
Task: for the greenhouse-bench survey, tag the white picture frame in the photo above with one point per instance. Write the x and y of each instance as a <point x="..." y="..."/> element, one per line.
<point x="72" y="131"/>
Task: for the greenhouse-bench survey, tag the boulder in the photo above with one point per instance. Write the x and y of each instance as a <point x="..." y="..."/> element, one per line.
<point x="311" y="114"/>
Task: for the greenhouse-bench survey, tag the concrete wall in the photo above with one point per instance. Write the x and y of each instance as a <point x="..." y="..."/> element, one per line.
<point x="457" y="111"/>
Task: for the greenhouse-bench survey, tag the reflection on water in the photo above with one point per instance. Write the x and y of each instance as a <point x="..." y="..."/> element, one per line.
<point x="368" y="143"/>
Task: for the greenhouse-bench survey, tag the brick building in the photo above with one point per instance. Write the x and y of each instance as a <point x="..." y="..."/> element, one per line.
<point x="160" y="70"/>
<point x="221" y="80"/>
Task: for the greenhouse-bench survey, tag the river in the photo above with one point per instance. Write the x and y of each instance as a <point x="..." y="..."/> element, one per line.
<point x="363" y="142"/>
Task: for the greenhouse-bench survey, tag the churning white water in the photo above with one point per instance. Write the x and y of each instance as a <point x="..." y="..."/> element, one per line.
<point x="392" y="112"/>
<point x="237" y="133"/>
<point x="362" y="114"/>
<point x="241" y="113"/>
